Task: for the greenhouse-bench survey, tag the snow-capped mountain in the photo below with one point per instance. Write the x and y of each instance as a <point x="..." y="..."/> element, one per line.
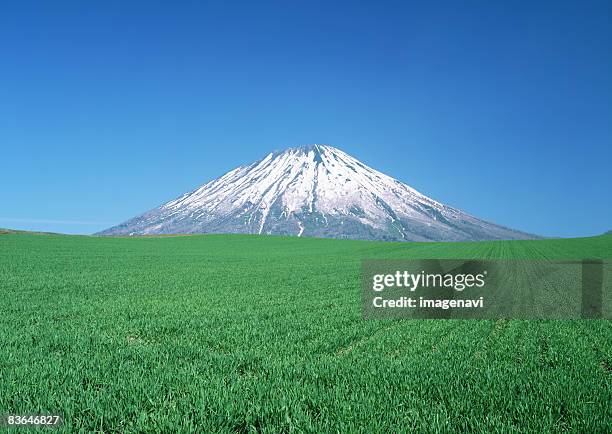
<point x="316" y="191"/>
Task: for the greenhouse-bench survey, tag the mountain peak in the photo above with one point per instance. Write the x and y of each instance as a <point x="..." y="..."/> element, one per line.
<point x="312" y="190"/>
<point x="317" y="148"/>
<point x="310" y="147"/>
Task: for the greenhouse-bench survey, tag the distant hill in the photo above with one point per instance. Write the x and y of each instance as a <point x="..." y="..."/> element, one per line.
<point x="4" y="231"/>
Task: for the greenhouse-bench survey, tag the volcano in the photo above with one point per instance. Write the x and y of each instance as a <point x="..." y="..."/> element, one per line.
<point x="313" y="191"/>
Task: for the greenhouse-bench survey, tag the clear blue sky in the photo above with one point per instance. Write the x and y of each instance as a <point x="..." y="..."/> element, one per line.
<point x="502" y="109"/>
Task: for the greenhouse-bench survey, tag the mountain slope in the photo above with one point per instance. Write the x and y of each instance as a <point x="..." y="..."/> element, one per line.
<point x="315" y="190"/>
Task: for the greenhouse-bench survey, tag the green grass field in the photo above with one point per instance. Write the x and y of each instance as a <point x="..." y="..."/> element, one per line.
<point x="247" y="333"/>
